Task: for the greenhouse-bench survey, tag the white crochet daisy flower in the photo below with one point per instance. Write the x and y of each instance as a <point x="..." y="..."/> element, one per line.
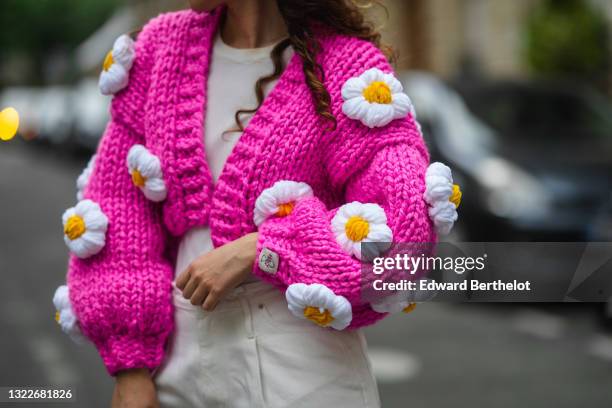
<point x="355" y="223"/>
<point x="65" y="316"/>
<point x="85" y="228"/>
<point x="83" y="178"/>
<point x="375" y="98"/>
<point x="279" y="199"/>
<point x="116" y="67"/>
<point x="442" y="196"/>
<point x="393" y="304"/>
<point x="319" y="304"/>
<point x="145" y="169"/>
<point x="402" y="301"/>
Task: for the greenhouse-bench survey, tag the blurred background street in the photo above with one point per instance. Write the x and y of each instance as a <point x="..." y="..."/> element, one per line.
<point x="514" y="95"/>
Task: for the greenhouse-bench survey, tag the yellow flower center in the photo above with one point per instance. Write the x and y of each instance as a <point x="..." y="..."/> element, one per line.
<point x="319" y="316"/>
<point x="108" y="61"/>
<point x="285" y="209"/>
<point x="409" y="308"/>
<point x="138" y="178"/>
<point x="455" y="198"/>
<point x="357" y="228"/>
<point x="57" y="317"/>
<point x="378" y="92"/>
<point x="75" y="227"/>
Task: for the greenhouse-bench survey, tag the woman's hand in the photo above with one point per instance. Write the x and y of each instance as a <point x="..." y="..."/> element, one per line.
<point x="134" y="389"/>
<point x="207" y="279"/>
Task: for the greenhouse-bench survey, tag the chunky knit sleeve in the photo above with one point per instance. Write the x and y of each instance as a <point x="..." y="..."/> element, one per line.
<point x="314" y="252"/>
<point x="119" y="280"/>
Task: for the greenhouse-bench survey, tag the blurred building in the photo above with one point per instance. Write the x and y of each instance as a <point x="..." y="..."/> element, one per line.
<point x="444" y="36"/>
<point x="441" y="36"/>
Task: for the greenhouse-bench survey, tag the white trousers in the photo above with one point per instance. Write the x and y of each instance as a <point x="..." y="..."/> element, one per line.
<point x="252" y="352"/>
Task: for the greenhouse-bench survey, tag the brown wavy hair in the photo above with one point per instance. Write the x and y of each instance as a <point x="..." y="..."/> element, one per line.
<point x="301" y="16"/>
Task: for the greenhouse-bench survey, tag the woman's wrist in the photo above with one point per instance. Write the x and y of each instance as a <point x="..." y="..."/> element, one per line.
<point x="134" y="388"/>
<point x="248" y="248"/>
<point x="133" y="373"/>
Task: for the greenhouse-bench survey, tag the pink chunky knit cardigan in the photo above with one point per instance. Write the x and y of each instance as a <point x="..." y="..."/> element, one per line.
<point x="122" y="295"/>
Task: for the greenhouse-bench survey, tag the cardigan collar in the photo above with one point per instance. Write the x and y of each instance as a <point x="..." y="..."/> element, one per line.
<point x="176" y="128"/>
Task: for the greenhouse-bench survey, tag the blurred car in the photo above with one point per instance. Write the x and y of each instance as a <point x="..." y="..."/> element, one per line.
<point x="68" y="116"/>
<point x="534" y="159"/>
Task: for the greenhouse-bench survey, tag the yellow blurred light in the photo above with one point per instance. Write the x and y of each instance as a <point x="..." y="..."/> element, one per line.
<point x="9" y="123"/>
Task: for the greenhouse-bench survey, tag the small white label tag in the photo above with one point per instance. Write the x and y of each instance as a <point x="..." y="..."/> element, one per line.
<point x="268" y="261"/>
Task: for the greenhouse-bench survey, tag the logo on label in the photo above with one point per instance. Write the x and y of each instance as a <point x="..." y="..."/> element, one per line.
<point x="268" y="261"/>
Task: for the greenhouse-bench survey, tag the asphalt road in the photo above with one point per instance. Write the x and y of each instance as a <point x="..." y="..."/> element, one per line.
<point x="438" y="356"/>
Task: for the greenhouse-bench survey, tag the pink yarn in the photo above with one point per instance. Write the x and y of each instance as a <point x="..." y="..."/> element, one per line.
<point x="122" y="295"/>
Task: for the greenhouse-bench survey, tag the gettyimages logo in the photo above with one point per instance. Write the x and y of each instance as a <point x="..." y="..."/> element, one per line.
<point x="412" y="264"/>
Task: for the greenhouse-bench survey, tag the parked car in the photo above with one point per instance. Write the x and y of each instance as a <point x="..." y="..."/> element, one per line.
<point x="69" y="116"/>
<point x="534" y="158"/>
